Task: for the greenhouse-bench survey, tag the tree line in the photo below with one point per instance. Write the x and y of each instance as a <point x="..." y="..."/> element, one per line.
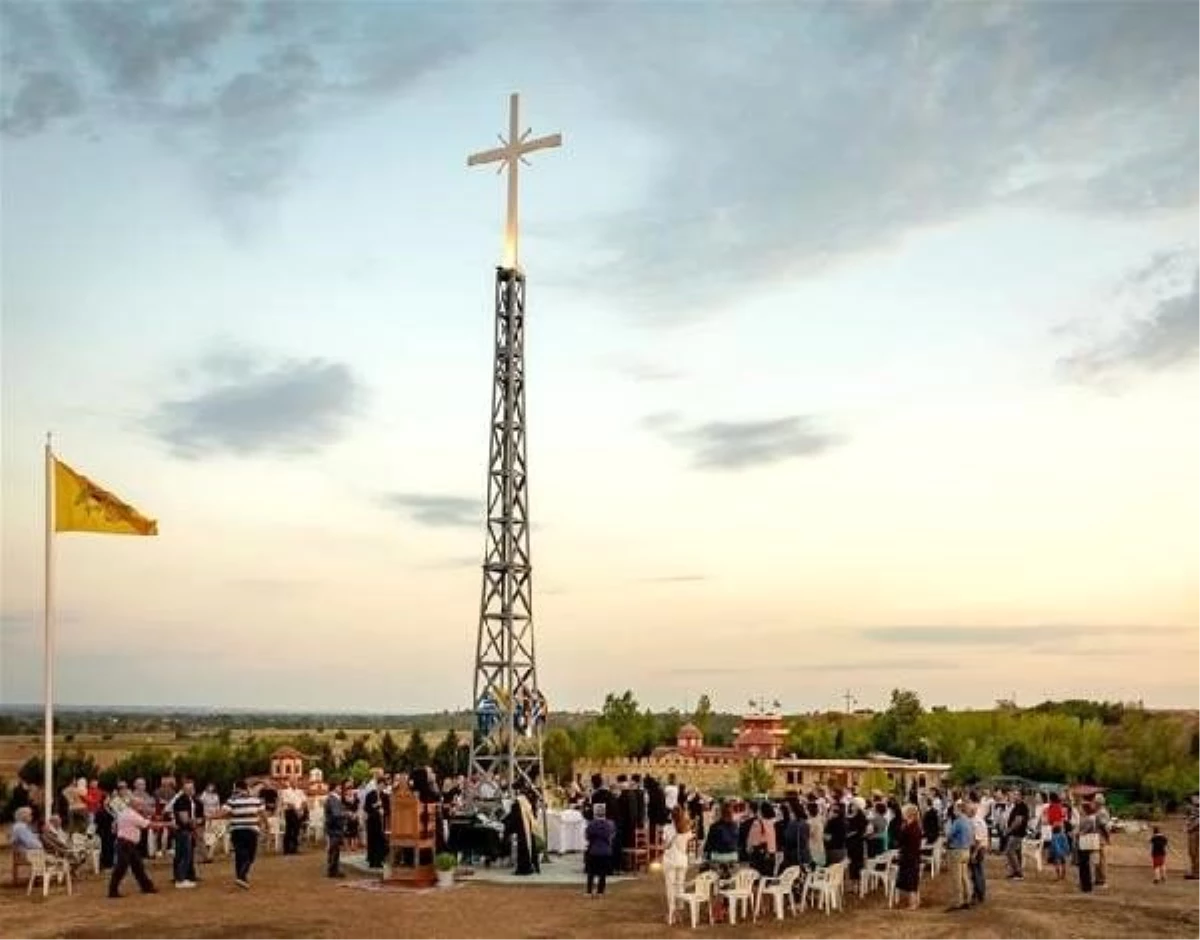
<point x="219" y="761"/>
<point x="1150" y="755"/>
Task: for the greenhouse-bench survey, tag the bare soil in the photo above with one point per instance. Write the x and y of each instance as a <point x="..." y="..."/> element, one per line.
<point x="290" y="898"/>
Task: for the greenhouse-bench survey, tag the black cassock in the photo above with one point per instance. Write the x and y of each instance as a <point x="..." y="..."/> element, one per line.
<point x="377" y="851"/>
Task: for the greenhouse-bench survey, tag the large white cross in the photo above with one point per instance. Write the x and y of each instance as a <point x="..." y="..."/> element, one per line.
<point x="510" y="156"/>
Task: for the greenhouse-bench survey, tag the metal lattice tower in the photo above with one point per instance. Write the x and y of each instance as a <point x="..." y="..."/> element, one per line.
<point x="509" y="708"/>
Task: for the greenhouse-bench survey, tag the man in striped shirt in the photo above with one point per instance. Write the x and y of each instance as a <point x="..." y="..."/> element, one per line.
<point x="246" y="816"/>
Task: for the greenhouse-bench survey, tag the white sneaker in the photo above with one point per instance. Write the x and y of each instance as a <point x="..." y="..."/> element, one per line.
<point x="185" y="884"/>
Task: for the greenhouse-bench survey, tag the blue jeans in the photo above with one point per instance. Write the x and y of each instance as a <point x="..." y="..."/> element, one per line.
<point x="978" y="877"/>
<point x="184" y="865"/>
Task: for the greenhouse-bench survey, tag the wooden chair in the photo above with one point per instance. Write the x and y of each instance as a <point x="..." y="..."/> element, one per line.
<point x="637" y="858"/>
<point x="656" y="847"/>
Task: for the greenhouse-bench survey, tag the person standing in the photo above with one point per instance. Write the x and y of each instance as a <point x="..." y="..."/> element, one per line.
<point x="598" y="857"/>
<point x="131" y="825"/>
<point x="979" y="854"/>
<point x="675" y="858"/>
<point x="184" y="810"/>
<point x="1158" y="855"/>
<point x="1104" y="826"/>
<point x="246" y="817"/>
<point x="960" y="837"/>
<point x="373" y="809"/>
<point x="1087" y="844"/>
<point x="1018" y="826"/>
<point x="335" y="829"/>
<point x="1193" y="837"/>
<point x="908" y="857"/>
<point x="293" y="805"/>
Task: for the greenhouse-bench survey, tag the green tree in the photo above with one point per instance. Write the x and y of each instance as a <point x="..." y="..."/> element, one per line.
<point x="449" y="758"/>
<point x="702" y="717"/>
<point x="416" y="752"/>
<point x="755" y="778"/>
<point x="602" y="743"/>
<point x="389" y="753"/>
<point x="897" y="730"/>
<point x="357" y="751"/>
<point x="633" y="728"/>
<point x="558" y="755"/>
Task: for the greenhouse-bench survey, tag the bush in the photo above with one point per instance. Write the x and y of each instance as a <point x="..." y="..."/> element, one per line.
<point x="446" y="861"/>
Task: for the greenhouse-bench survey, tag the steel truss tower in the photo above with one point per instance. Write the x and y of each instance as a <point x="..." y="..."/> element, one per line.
<point x="506" y="748"/>
<point x="507" y="745"/>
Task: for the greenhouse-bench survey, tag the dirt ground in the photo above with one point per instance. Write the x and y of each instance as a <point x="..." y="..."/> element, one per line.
<point x="290" y="898"/>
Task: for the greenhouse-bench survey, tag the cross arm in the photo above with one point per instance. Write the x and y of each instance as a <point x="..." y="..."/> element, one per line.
<point x="489" y="156"/>
<point x="542" y="143"/>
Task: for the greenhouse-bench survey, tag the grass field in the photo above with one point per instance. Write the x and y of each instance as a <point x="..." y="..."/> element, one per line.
<point x="15" y="750"/>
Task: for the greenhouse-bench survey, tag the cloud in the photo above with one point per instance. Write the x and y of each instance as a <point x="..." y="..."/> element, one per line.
<point x="246" y="405"/>
<point x="235" y="88"/>
<point x="742" y="445"/>
<point x="453" y="562"/>
<point x="806" y="668"/>
<point x="640" y="371"/>
<point x="438" y="511"/>
<point x="1163" y="335"/>
<point x="1077" y="639"/>
<point x="779" y="158"/>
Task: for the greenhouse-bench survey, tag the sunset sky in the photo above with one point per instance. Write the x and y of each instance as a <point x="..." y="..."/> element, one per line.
<point x="862" y="348"/>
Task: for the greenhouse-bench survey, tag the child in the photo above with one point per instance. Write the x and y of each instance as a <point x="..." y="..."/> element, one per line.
<point x="1060" y="851"/>
<point x="1158" y="855"/>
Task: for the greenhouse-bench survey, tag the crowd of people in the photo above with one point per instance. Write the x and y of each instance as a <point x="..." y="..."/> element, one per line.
<point x="828" y="826"/>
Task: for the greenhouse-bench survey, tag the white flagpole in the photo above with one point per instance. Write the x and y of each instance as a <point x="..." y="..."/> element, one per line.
<point x="48" y="664"/>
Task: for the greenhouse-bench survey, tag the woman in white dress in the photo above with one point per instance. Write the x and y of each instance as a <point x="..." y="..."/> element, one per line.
<point x="675" y="857"/>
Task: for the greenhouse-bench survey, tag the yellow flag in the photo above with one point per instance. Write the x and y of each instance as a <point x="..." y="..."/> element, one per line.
<point x="82" y="506"/>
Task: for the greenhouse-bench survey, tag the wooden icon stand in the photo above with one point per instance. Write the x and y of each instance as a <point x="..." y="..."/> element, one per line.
<point x="412" y="841"/>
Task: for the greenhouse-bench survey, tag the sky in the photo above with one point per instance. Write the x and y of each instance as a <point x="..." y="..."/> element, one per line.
<point x="862" y="348"/>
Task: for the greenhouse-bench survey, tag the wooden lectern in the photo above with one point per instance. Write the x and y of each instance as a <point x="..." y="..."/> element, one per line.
<point x="412" y="841"/>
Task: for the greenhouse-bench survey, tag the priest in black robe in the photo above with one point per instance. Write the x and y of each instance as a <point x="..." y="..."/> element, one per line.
<point x="373" y="806"/>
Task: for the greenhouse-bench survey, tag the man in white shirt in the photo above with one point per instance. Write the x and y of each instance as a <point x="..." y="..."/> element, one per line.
<point x="979" y="853"/>
<point x="671" y="793"/>
<point x="292" y="801"/>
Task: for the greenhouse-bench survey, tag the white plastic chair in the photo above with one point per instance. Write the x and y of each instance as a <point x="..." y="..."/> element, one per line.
<point x="878" y="872"/>
<point x="932" y="857"/>
<point x="49" y="868"/>
<point x="694" y="897"/>
<point x="88" y="847"/>
<point x="781" y="890"/>
<point x="739" y="891"/>
<point x="1032" y="850"/>
<point x="825" y="885"/>
<point x="274" y="834"/>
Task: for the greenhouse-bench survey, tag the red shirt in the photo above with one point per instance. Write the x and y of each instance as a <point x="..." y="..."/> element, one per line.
<point x="94" y="798"/>
<point x="1056" y="814"/>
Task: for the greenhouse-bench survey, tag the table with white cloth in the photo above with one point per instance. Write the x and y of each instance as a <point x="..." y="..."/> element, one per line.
<point x="564" y="831"/>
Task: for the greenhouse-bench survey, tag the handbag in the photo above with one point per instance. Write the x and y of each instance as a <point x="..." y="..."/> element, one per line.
<point x="1089" y="842"/>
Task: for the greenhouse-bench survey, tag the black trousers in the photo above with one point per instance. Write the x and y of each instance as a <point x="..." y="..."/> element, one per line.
<point x="597" y="872"/>
<point x="376" y="842"/>
<point x="1085" y="870"/>
<point x="291" y="832"/>
<point x="245" y="848"/>
<point x="129" y="859"/>
<point x="333" y="857"/>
